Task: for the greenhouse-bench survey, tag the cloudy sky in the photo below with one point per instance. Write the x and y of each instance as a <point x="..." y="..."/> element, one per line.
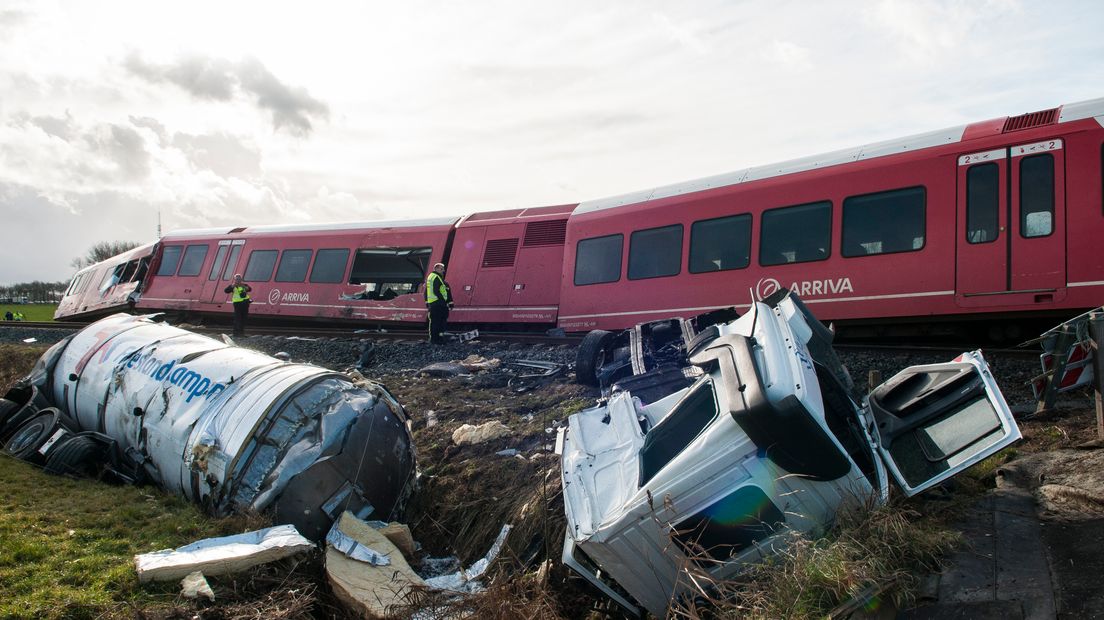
<point x="237" y="113"/>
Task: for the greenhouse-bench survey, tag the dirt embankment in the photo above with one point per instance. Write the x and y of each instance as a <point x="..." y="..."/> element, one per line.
<point x="468" y="492"/>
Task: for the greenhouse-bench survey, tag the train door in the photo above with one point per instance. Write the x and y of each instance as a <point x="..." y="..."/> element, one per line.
<point x="1011" y="225"/>
<point x="494" y="282"/>
<point x="222" y="270"/>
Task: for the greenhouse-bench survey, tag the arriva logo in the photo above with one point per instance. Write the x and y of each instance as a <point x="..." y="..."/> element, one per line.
<point x="276" y="298"/>
<point x="806" y="288"/>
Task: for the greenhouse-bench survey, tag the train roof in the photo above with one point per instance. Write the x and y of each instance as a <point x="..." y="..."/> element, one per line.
<point x="285" y="228"/>
<point x="1063" y="114"/>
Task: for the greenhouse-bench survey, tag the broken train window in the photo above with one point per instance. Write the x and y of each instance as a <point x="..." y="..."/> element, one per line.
<point x="387" y="273"/>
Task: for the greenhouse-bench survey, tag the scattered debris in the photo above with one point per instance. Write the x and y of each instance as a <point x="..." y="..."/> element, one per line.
<point x="548" y="369"/>
<point x="476" y="363"/>
<point x="507" y="452"/>
<point x="443" y="369"/>
<point x="368" y="589"/>
<point x="465" y="580"/>
<point x="400" y="536"/>
<point x="431" y="418"/>
<point x="469" y="335"/>
<point x="470" y="435"/>
<point x="195" y="585"/>
<point x="282" y="356"/>
<point x="29" y="340"/>
<point x="222" y="556"/>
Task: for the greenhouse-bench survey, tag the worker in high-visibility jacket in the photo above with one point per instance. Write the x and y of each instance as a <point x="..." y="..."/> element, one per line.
<point x="438" y="300"/>
<point x="239" y="295"/>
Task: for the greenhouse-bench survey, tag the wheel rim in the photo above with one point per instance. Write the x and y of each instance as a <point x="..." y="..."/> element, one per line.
<point x="25" y="437"/>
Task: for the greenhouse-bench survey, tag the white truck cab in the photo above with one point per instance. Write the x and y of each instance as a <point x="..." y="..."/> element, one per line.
<point x="769" y="435"/>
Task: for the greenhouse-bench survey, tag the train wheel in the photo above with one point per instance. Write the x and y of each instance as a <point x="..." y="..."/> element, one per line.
<point x="27" y="439"/>
<point x="77" y="456"/>
<point x="591" y="355"/>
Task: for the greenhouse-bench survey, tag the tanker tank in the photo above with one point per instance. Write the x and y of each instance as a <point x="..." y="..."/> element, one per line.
<point x="232" y="429"/>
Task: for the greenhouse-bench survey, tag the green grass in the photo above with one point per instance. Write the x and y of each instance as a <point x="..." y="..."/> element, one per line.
<point x="31" y="312"/>
<point x="67" y="546"/>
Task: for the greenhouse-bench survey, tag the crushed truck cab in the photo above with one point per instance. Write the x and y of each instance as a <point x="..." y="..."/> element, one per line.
<point x="769" y="435"/>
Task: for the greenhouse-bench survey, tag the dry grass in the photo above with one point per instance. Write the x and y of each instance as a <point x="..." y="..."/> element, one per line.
<point x="875" y="552"/>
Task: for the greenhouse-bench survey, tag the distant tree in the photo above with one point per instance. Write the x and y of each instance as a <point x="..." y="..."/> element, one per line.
<point x="102" y="251"/>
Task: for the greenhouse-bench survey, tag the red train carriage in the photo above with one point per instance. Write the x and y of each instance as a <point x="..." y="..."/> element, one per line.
<point x="363" y="271"/>
<point x="106" y="287"/>
<point x="998" y="216"/>
<point x="504" y="267"/>
<point x="1001" y="216"/>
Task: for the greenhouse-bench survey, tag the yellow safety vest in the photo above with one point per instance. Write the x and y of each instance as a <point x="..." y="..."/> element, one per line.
<point x="431" y="295"/>
<point x="240" y="294"/>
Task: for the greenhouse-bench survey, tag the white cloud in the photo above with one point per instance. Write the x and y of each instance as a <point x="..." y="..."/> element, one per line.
<point x="423" y="108"/>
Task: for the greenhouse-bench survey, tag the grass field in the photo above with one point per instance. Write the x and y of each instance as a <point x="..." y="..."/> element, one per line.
<point x="67" y="546"/>
<point x="31" y="312"/>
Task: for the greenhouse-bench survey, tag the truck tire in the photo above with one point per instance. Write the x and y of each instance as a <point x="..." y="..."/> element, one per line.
<point x="17" y="419"/>
<point x="591" y="355"/>
<point x="7" y="410"/>
<point x="77" y="455"/>
<point x="28" y="438"/>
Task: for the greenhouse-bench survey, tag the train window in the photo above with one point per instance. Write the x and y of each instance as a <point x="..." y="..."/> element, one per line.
<point x="74" y="285"/>
<point x="235" y="252"/>
<point x="1037" y="195"/>
<point x="982" y="203"/>
<point x="655" y="252"/>
<point x="720" y="244"/>
<point x="261" y="263"/>
<point x="293" y="265"/>
<point x="128" y="271"/>
<point x="598" y="260"/>
<point x="193" y="259"/>
<point x="216" y="267"/>
<point x="329" y="266"/>
<point x="797" y="234"/>
<point x="111" y="277"/>
<point x="387" y="273"/>
<point x="884" y="222"/>
<point x="143" y="267"/>
<point x="170" y="257"/>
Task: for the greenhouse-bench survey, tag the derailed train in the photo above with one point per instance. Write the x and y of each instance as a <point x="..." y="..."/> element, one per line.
<point x="999" y="217"/>
<point x="228" y="428"/>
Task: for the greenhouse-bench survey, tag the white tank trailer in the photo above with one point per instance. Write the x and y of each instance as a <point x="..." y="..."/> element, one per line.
<point x="232" y="429"/>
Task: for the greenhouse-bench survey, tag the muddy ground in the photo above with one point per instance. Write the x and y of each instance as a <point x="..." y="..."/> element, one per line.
<point x="467" y="493"/>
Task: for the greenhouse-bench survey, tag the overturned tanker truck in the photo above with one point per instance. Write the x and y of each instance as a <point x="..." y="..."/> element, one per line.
<point x="231" y="429"/>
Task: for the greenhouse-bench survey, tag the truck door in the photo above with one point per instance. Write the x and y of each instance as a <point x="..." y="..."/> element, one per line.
<point x="222" y="270"/>
<point x="935" y="420"/>
<point x="1010" y="241"/>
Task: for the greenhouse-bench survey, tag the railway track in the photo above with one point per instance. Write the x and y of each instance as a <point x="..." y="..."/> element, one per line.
<point x="346" y="332"/>
<point x="323" y="332"/>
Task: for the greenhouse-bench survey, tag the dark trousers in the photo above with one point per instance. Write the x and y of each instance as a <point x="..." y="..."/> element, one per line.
<point x="438" y="318"/>
<point x="241" y="313"/>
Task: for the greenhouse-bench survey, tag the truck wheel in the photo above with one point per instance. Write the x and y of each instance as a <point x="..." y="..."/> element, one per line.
<point x="76" y="456"/>
<point x="591" y="355"/>
<point x="27" y="439"/>
<point x="16" y="419"/>
<point x="7" y="410"/>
